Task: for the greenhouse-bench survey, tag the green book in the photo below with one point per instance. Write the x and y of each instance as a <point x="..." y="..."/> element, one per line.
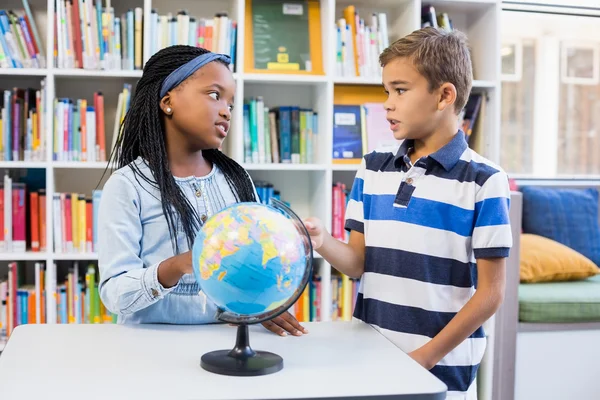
<point x="281" y="35"/>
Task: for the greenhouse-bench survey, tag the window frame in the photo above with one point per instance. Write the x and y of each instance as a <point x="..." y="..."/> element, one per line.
<point x="546" y="170"/>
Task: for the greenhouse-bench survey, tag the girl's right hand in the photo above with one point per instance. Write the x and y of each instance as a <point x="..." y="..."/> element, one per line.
<point x="172" y="269"/>
<point x="185" y="262"/>
<point x="316" y="230"/>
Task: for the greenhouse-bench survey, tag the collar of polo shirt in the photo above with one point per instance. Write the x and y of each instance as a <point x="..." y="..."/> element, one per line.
<point x="447" y="156"/>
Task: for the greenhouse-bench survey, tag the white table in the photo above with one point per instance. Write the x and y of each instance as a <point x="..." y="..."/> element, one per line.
<point x="335" y="360"/>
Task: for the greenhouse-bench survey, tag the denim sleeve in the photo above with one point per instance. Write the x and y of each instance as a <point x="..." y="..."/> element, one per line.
<point x="126" y="285"/>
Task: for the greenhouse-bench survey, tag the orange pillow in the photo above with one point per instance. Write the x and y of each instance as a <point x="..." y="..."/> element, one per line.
<point x="545" y="260"/>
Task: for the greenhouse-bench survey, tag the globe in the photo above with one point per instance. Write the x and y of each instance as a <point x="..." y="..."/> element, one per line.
<point x="253" y="261"/>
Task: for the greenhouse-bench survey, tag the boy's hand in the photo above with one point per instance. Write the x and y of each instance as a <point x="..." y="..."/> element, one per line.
<point x="421" y="355"/>
<point x="316" y="230"/>
<point x="284" y="324"/>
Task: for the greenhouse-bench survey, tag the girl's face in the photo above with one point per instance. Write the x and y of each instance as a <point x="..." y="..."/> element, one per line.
<point x="200" y="108"/>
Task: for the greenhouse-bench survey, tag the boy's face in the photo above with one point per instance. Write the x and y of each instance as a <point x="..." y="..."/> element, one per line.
<point x="412" y="110"/>
<point x="202" y="106"/>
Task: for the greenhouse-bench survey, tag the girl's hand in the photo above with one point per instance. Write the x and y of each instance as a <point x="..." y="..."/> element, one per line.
<point x="185" y="262"/>
<point x="172" y="269"/>
<point x="284" y="324"/>
<point x="316" y="231"/>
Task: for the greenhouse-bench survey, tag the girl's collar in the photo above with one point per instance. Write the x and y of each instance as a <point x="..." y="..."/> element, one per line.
<point x="185" y="178"/>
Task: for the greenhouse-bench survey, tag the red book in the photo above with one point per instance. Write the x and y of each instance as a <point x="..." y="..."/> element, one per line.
<point x="77" y="34"/>
<point x="19" y="210"/>
<point x="100" y="136"/>
<point x="35" y="221"/>
<point x="89" y="222"/>
<point x="42" y="219"/>
<point x="68" y="215"/>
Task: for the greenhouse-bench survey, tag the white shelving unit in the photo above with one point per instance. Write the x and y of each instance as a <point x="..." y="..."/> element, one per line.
<point x="307" y="187"/>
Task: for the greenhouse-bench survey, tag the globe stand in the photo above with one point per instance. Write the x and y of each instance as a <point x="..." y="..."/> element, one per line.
<point x="241" y="360"/>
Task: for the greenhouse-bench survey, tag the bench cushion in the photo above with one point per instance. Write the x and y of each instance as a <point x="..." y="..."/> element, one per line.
<point x="577" y="301"/>
<point x="568" y="216"/>
<point x="544" y="260"/>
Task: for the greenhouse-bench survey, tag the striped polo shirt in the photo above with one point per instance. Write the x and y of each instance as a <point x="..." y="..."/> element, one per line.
<point x="425" y="225"/>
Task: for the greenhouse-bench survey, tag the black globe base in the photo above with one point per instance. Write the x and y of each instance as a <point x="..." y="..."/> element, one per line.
<point x="241" y="360"/>
<point x="261" y="363"/>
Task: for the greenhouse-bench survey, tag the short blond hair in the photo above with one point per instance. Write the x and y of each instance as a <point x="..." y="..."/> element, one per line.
<point x="440" y="56"/>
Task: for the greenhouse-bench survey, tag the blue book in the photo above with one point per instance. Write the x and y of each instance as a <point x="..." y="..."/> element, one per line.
<point x="285" y="134"/>
<point x="4" y="44"/>
<point x="101" y="43"/>
<point x="233" y="31"/>
<point x="347" y="132"/>
<point x="63" y="306"/>
<point x="247" y="135"/>
<point x="24" y="307"/>
<point x="5" y="23"/>
<point x="130" y="41"/>
<point x="71" y="130"/>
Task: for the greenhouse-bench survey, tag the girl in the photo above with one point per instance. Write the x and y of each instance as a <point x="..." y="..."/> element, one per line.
<point x="170" y="178"/>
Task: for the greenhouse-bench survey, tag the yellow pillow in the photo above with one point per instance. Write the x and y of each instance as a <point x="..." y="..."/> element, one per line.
<point x="545" y="260"/>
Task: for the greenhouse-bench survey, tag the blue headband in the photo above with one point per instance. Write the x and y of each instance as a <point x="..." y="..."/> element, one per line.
<point x="187" y="69"/>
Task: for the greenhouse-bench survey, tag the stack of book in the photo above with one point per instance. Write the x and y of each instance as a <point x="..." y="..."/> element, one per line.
<point x="22" y="128"/>
<point x="285" y="134"/>
<point x="358" y="130"/>
<point x="78" y="300"/>
<point x="90" y="36"/>
<point x="22" y="218"/>
<point x="76" y="222"/>
<point x="20" y="43"/>
<point x="358" y="44"/>
<point x="217" y="34"/>
<point x="21" y="303"/>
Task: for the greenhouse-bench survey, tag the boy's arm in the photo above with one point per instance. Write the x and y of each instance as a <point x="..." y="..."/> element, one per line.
<point x="348" y="258"/>
<point x="484" y="303"/>
<point x="491" y="241"/>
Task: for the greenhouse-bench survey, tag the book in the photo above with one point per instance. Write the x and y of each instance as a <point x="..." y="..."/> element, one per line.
<point x="284" y="134"/>
<point x="283" y="37"/>
<point x="347" y="133"/>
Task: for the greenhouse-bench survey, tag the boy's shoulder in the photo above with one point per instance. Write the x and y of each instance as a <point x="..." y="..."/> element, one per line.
<point x="380" y="158"/>
<point x="483" y="164"/>
<point x="484" y="169"/>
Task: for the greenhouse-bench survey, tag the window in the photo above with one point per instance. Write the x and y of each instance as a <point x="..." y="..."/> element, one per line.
<point x="550" y="121"/>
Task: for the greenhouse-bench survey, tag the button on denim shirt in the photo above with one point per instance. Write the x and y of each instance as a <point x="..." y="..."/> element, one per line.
<point x="133" y="239"/>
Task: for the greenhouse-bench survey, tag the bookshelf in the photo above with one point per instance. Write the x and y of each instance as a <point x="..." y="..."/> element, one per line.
<point x="306" y="186"/>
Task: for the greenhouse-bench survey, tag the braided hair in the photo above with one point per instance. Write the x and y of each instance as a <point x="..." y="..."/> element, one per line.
<point x="143" y="135"/>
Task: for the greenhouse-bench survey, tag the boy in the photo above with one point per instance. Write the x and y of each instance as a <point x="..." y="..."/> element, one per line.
<point x="429" y="223"/>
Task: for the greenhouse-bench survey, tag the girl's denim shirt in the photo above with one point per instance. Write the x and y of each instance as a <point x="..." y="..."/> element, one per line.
<point x="133" y="239"/>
